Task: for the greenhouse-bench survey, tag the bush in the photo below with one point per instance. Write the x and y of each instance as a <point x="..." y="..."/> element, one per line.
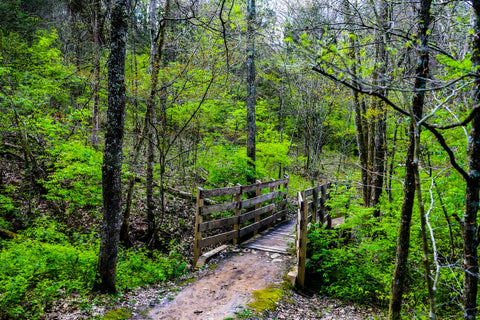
<point x="36" y="271"/>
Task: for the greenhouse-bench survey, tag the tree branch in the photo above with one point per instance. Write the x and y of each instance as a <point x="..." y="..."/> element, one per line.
<point x="427" y="126"/>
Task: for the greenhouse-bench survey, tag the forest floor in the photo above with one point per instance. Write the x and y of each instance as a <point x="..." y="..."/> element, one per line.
<point x="223" y="290"/>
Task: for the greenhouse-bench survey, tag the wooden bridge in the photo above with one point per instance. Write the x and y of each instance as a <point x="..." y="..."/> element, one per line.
<point x="255" y="217"/>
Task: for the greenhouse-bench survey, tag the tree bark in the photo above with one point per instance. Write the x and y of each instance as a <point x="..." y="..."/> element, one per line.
<point x="470" y="228"/>
<point x="378" y="136"/>
<point x="95" y="7"/>
<point x="416" y="112"/>
<point x="157" y="40"/>
<point x="251" y="90"/>
<point x="112" y="156"/>
<point x="359" y="115"/>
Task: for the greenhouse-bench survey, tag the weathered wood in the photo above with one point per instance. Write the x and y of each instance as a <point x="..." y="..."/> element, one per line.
<point x="254" y="213"/>
<point x="315" y="205"/>
<point x="262" y="198"/>
<point x="263" y="185"/>
<point x="257" y="206"/>
<point x="218" y="207"/>
<point x="238" y="211"/>
<point x="204" y="257"/>
<point x="198" y="233"/>
<point x="308" y="192"/>
<point x="277" y="207"/>
<point x="262" y="223"/>
<point x="302" y="241"/>
<point x="187" y="195"/>
<point x="215" y="224"/>
<point x="209" y="193"/>
<point x="218" y="238"/>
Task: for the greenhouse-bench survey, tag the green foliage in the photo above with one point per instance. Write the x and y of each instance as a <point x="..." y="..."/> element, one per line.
<point x="34" y="274"/>
<point x="45" y="265"/>
<point x="226" y="164"/>
<point x="76" y="176"/>
<point x="137" y="268"/>
<point x="353" y="261"/>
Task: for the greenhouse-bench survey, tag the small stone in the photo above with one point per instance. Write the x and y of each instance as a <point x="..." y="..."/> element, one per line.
<point x="275" y="256"/>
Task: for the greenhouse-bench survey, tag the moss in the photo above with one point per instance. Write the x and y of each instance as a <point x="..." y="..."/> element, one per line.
<point x="118" y="314"/>
<point x="266" y="299"/>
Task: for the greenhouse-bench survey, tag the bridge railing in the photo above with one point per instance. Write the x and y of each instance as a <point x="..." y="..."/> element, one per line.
<point x="311" y="208"/>
<point x="232" y="214"/>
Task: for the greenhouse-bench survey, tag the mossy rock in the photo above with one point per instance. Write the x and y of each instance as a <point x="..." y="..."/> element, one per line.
<point x="266" y="299"/>
<point x="118" y="314"/>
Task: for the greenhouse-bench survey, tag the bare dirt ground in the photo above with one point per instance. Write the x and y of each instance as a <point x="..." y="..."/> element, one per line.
<point x="223" y="289"/>
<point x="221" y="292"/>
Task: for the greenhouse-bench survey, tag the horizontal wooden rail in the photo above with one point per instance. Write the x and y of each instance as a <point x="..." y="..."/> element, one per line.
<point x="238" y="216"/>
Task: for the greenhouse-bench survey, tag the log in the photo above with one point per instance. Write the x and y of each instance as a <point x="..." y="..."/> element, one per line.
<point x="5" y="234"/>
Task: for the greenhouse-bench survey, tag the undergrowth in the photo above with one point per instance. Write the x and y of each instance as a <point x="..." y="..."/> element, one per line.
<point x="45" y="264"/>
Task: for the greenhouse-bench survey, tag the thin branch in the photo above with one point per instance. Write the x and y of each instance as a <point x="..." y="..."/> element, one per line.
<point x="429" y="127"/>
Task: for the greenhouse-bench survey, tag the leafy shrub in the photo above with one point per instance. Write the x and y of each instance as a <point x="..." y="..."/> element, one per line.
<point x="355" y="260"/>
<point x="36" y="271"/>
<point x="226" y="164"/>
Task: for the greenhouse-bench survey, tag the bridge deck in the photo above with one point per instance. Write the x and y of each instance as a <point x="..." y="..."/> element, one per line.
<point x="277" y="239"/>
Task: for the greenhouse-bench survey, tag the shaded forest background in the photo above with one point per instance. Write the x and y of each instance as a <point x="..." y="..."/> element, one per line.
<point x="381" y="94"/>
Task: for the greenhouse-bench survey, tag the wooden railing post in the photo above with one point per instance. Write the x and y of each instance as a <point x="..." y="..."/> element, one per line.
<point x="238" y="211"/>
<point x="315" y="205"/>
<point x="302" y="241"/>
<point x="327" y="208"/>
<point x="257" y="206"/>
<point x="285" y="187"/>
<point x="198" y="233"/>
<point x="323" y="199"/>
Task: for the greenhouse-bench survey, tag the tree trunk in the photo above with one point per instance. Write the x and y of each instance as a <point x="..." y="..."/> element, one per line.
<point x="251" y="90"/>
<point x="421" y="74"/>
<point x="95" y="7"/>
<point x="378" y="158"/>
<point x="359" y="115"/>
<point x="112" y="156"/>
<point x="470" y="228"/>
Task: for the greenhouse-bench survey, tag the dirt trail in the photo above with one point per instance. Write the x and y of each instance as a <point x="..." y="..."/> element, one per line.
<point x="222" y="291"/>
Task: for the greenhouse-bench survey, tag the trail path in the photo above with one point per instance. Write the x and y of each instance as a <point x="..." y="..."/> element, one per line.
<point x="228" y="286"/>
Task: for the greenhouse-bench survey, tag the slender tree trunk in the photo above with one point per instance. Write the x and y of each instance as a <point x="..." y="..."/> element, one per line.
<point x="251" y="90"/>
<point x="157" y="40"/>
<point x="379" y="139"/>
<point x="112" y="156"/>
<point x="470" y="227"/>
<point x="422" y="69"/>
<point x="95" y="7"/>
<point x="359" y="115"/>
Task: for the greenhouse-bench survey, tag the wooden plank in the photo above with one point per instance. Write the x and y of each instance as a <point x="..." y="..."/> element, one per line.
<point x="263" y="185"/>
<point x="218" y="238"/>
<point x="218" y="208"/>
<point x="307" y="193"/>
<point x="257" y="225"/>
<point x="262" y="198"/>
<point x="254" y="213"/>
<point x="204" y="257"/>
<point x="209" y="193"/>
<point x="215" y="224"/>
<point x="276" y="249"/>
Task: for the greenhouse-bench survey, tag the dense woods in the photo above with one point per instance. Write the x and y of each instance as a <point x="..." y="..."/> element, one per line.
<point x="114" y="112"/>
